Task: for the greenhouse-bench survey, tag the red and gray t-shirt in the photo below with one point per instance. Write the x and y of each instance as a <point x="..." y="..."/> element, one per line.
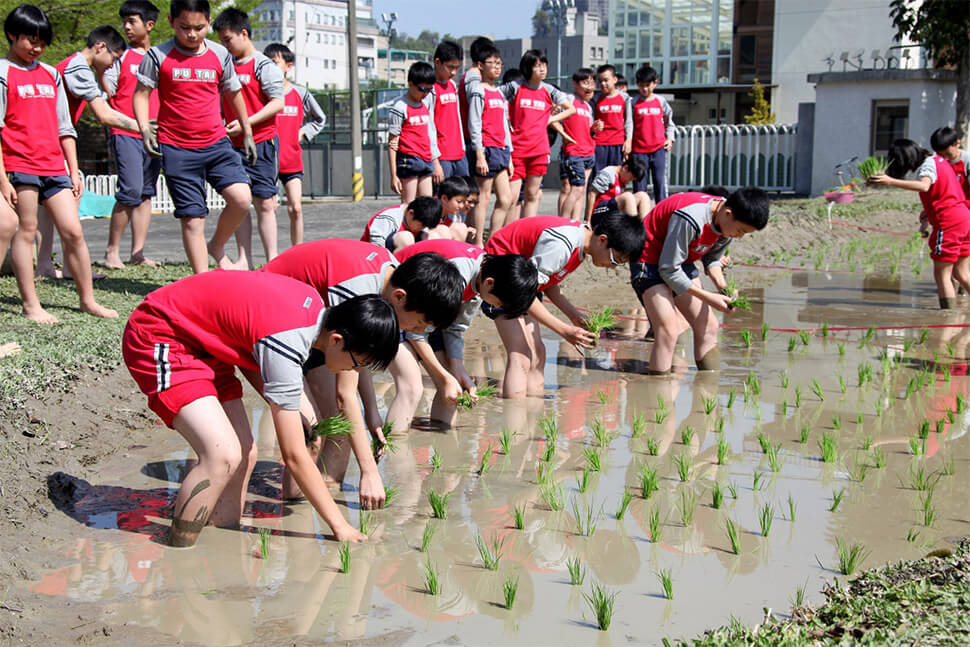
<point x="488" y="117"/>
<point x="383" y="224"/>
<point x="300" y="118"/>
<point x="652" y="123"/>
<point x="80" y="83"/>
<point x="578" y="127"/>
<point x="120" y="80"/>
<point x="443" y="103"/>
<point x="961" y="166"/>
<point x="613" y="111"/>
<point x="190" y="88"/>
<point x="254" y="320"/>
<point x="414" y="124"/>
<point x="945" y="202"/>
<point x="607" y="184"/>
<point x="261" y="81"/>
<point x="34" y="115"/>
<point x="529" y="112"/>
<point x="553" y="244"/>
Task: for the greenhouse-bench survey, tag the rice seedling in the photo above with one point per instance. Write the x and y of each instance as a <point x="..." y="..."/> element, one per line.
<point x="505" y="440"/>
<point x="548" y="453"/>
<point x="828" y="445"/>
<point x="600" y="320"/>
<point x="805" y="337"/>
<point x="653" y="446"/>
<point x="593" y="459"/>
<point x="510" y="588"/>
<point x="792" y="507"/>
<point x="648" y="481"/>
<point x="366" y="521"/>
<point x="924" y="429"/>
<point x="825" y="329"/>
<point x="837" y="422"/>
<point x="878" y="408"/>
<point x="653" y="522"/>
<point x="686" y="434"/>
<point x="486" y="460"/>
<point x="577" y="572"/>
<point x="798" y="600"/>
<point x="719" y="426"/>
<point x="602" y="396"/>
<point x="746" y="338"/>
<point x="950" y="350"/>
<point x="518" y="516"/>
<point x="465" y="401"/>
<point x="586" y="518"/>
<point x="921" y="480"/>
<point x="785" y="379"/>
<point x="344" y="552"/>
<point x="552" y="496"/>
<point x="660" y="415"/>
<point x="666" y="583"/>
<point x="439" y="504"/>
<point x="961" y="404"/>
<point x="836" y="499"/>
<point x="333" y="428"/>
<point x="917" y="446"/>
<point x="639" y="423"/>
<point x="602" y="436"/>
<point x="722" y="450"/>
<point x="950" y="416"/>
<point x="544" y="473"/>
<point x="264" y="534"/>
<point x="623" y="505"/>
<point x="927" y="507"/>
<point x="387" y="445"/>
<point x="864" y="373"/>
<point x="549" y="426"/>
<point x="683" y="463"/>
<point x="923" y="334"/>
<point x="912" y="536"/>
<point x="582" y="482"/>
<point x="490" y="553"/>
<point x="879" y="458"/>
<point x="859" y="418"/>
<point x="740" y="302"/>
<point x="756" y="477"/>
<point x="817" y="390"/>
<point x="661" y="403"/>
<point x="688" y="503"/>
<point x="870" y="334"/>
<point x="764" y="441"/>
<point x="429" y="530"/>
<point x="717" y="496"/>
<point x="710" y="404"/>
<point x="733" y="490"/>
<point x="764" y="331"/>
<point x="435" y="462"/>
<point x="431" y="582"/>
<point x="754" y="383"/>
<point x="733" y="537"/>
<point x="732" y="395"/>
<point x="841" y="347"/>
<point x="911" y="387"/>
<point x="941" y="425"/>
<point x="949" y="466"/>
<point x="850" y="557"/>
<point x="872" y="166"/>
<point x="600" y="601"/>
<point x="858" y="471"/>
<point x="774" y="458"/>
<point x="803" y="436"/>
<point x="765" y="517"/>
<point x="798" y="396"/>
<point x="843" y="386"/>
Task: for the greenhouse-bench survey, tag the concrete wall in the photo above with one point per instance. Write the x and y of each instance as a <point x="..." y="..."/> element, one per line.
<point x="843" y="113"/>
<point x="807" y="32"/>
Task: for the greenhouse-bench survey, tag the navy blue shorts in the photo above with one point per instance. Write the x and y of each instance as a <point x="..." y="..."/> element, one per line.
<point x="457" y="167"/>
<point x="436" y="340"/>
<point x="286" y="177"/>
<point x="494" y="313"/>
<point x="608" y="156"/>
<point x="188" y="169"/>
<point x="497" y="159"/>
<point x="47" y="185"/>
<point x="262" y="174"/>
<point x="574" y="168"/>
<point x="137" y="170"/>
<point x="409" y="166"/>
<point x="644" y="276"/>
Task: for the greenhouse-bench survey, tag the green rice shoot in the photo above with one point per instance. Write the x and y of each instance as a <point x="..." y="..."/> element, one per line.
<point x="577" y="572"/>
<point x="344" y="552"/>
<point x="510" y="587"/>
<point x="264" y="534"/>
<point x="333" y="428"/>
<point x="600" y="320"/>
<point x="439" y="504"/>
<point x="600" y="601"/>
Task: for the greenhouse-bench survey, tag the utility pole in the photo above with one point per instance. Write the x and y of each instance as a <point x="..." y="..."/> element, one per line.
<point x="357" y="179"/>
<point x="559" y="9"/>
<point x="389" y="21"/>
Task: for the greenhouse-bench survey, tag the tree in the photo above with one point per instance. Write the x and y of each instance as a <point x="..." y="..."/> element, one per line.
<point x="761" y="110"/>
<point x="543" y="24"/>
<point x="942" y="28"/>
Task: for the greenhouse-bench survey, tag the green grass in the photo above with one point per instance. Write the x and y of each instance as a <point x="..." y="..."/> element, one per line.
<point x="686" y="434"/>
<point x="639" y="423"/>
<point x="553" y="496"/>
<point x="431" y="575"/>
<point x="439" y="504"/>
<point x="764" y="442"/>
<point x="491" y="552"/>
<point x="803" y="435"/>
<point x="655" y="524"/>
<point x="435" y="462"/>
<point x="792" y="507"/>
<point x="732" y="396"/>
<point x="722" y="451"/>
<point x="505" y="440"/>
<point x="805" y="337"/>
<point x="486" y="460"/>
<point x="850" y="557"/>
<point x="344" y="552"/>
<point x="920" y="479"/>
<point x="879" y="457"/>
<point x="582" y="482"/>
<point x="600" y="433"/>
<point x="719" y="426"/>
<point x="577" y="572"/>
<point x="733" y="537"/>
<point x="927" y="508"/>
<point x="518" y="516"/>
<point x="484" y="391"/>
<point x="710" y="404"/>
<point x="549" y="453"/>
<point x="740" y="302"/>
<point x="756" y="478"/>
<point x="746" y="338"/>
<point x="798" y="396"/>
<point x="688" y="503"/>
<point x="765" y="328"/>
<point x="666" y="583"/>
<point x="366" y="521"/>
<point x="837" y="496"/>
<point x="817" y="390"/>
<point x="600" y="601"/>
<point x="785" y="379"/>
<point x="774" y="458"/>
<point x="828" y="446"/>
<point x="428" y="536"/>
<point x="510" y="588"/>
<point x="872" y="166"/>
<point x="792" y="344"/>
<point x="549" y="426"/>
<point x="660" y="415"/>
<point x="653" y="446"/>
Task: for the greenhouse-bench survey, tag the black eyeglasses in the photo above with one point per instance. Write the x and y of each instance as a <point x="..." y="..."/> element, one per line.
<point x="353" y="359"/>
<point x="424" y="88"/>
<point x="613" y="261"/>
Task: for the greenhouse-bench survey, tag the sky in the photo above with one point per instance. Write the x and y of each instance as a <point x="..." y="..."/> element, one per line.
<point x="498" y="18"/>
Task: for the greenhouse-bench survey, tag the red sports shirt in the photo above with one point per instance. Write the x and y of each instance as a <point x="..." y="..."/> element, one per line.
<point x="289" y="120"/>
<point x="447" y="121"/>
<point x="80" y="84"/>
<point x="657" y="222"/>
<point x="945" y="202"/>
<point x="415" y="126"/>
<point x="578" y="127"/>
<point x="612" y="112"/>
<point x="122" y="79"/>
<point x="33" y="118"/>
<point x="261" y="81"/>
<point x="384" y="223"/>
<point x="529" y="111"/>
<point x="649" y="129"/>
<point x="467" y="258"/>
<point x="553" y="244"/>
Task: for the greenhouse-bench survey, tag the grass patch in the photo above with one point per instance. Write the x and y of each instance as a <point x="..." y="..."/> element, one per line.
<point x="600" y="601"/>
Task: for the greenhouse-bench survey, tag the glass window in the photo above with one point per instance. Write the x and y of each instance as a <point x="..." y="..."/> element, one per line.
<point x="592" y="52"/>
<point x="746" y="48"/>
<point x="723" y="69"/>
<point x="724" y="36"/>
<point x="618" y="46"/>
<point x="658" y="43"/>
<point x="701" y="40"/>
<point x="631" y="18"/>
<point x="678" y="73"/>
<point x="644" y="44"/>
<point x="890" y="120"/>
<point x="679" y="41"/>
<point x="318" y="38"/>
<point x="620" y="19"/>
<point x="631" y="44"/>
<point x="700" y="72"/>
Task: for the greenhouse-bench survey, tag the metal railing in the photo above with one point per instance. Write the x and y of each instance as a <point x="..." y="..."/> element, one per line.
<point x="733" y="156"/>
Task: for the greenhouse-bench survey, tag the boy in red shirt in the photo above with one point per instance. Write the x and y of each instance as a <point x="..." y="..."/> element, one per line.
<point x="402" y="225"/>
<point x="137" y="171"/>
<point x="652" y="132"/>
<point x="577" y="158"/>
<point x="609" y="185"/>
<point x="182" y="345"/>
<point x="611" y="114"/>
<point x="191" y="73"/>
<point x="443" y="103"/>
<point x="946" y="143"/>
<point x="413" y="145"/>
<point x="37" y="142"/>
<point x="262" y="91"/>
<point x="300" y="120"/>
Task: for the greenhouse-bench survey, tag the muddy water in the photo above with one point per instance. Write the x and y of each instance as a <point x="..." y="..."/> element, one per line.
<point x="223" y="593"/>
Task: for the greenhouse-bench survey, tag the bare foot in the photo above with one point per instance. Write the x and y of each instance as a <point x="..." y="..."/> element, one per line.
<point x="142" y="260"/>
<point x="41" y="316"/>
<point x="112" y="260"/>
<point x="51" y="272"/>
<point x="98" y="310"/>
<point x="222" y="259"/>
<point x="10" y="348"/>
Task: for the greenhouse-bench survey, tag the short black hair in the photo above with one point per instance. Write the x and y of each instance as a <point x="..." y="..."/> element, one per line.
<point x="529" y="61"/>
<point x="636" y="167"/>
<point x="646" y="74"/>
<point x="369" y="328"/>
<point x="109" y="36"/>
<point x="904" y="156"/>
<point x="749" y="205"/>
<point x="426" y="210"/>
<point x="582" y="74"/>
<point x="478" y="46"/>
<point x="447" y="50"/>
<point x="235" y="20"/>
<point x="421" y="73"/>
<point x="943" y="138"/>
<point x="605" y="68"/>
<point x="624" y="234"/>
<point x="452" y="186"/>
<point x="516" y="281"/>
<point x="472" y="185"/>
<point x="620" y="79"/>
<point x="176" y="8"/>
<point x="434" y="287"/>
<point x="715" y="189"/>
<point x="273" y="50"/>
<point x="141" y="8"/>
<point x="512" y="74"/>
<point x="488" y="52"/>
<point x="28" y="20"/>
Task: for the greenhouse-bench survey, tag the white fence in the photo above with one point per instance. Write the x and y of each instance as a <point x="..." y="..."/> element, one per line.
<point x="733" y="156"/>
<point x="105" y="185"/>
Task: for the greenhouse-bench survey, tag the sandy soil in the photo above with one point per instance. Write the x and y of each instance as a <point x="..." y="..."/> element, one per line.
<point x="89" y="431"/>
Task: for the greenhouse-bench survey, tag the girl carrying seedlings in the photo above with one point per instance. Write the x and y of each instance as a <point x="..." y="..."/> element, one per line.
<point x="945" y="207"/>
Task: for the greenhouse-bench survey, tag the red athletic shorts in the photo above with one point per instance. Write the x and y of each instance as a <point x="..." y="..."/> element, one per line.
<point x="522" y="166"/>
<point x="168" y="372"/>
<point x="950" y="241"/>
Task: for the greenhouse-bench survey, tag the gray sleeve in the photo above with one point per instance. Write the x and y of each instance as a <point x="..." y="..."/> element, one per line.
<point x="603" y="181"/>
<point x="927" y="169"/>
<point x="111" y="76"/>
<point x="79" y="81"/>
<point x="229" y="82"/>
<point x="476" y="106"/>
<point x="395" y="118"/>
<point x="508" y="90"/>
<point x="507" y="122"/>
<point x="280" y="358"/>
<point x="713" y="256"/>
<point x="4" y="68"/>
<point x="148" y="68"/>
<point x="430" y="98"/>
<point x="681" y="231"/>
<point x="453" y="335"/>
<point x="628" y="120"/>
<point x="668" y="118"/>
<point x="65" y="126"/>
<point x="382" y="227"/>
<point x="558" y="96"/>
<point x="552" y="252"/>
<point x="965" y="158"/>
<point x="270" y="78"/>
<point x="433" y="137"/>
<point x="314" y="118"/>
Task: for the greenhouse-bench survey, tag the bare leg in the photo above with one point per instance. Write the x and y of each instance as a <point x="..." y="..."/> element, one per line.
<point x="533" y="185"/>
<point x="503" y="200"/>
<point x="409" y="189"/>
<point x="579" y="207"/>
<point x="294" y="209"/>
<point x="515" y="208"/>
<point x="120" y="216"/>
<point x="193" y="240"/>
<point x="961" y="272"/>
<point x="943" y="274"/>
<point x="22" y="255"/>
<point x="662" y="312"/>
<point x="425" y="186"/>
<point x="238" y="200"/>
<point x="266" y="216"/>
<point x="518" y="335"/>
<point x="408" y="387"/>
<point x="478" y="214"/>
<point x="141" y="218"/>
<point x="45" y="246"/>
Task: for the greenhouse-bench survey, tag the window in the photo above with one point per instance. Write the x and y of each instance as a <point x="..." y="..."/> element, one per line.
<point x="333" y="64"/>
<point x="890" y="120"/>
<point x="318" y="38"/>
<point x="326" y="64"/>
<point x="746" y="49"/>
<point x="592" y="52"/>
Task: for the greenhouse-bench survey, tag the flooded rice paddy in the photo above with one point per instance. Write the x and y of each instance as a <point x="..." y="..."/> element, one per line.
<point x="885" y="405"/>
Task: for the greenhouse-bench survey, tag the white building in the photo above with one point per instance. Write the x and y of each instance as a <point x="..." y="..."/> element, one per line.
<point x="316" y="31"/>
<point x="582" y="46"/>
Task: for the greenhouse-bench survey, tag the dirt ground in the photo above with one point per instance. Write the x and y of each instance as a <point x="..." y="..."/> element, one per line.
<point x="89" y="430"/>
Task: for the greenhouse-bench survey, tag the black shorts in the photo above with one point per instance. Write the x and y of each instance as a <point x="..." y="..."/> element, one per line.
<point x="644" y="276"/>
<point x="409" y="166"/>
